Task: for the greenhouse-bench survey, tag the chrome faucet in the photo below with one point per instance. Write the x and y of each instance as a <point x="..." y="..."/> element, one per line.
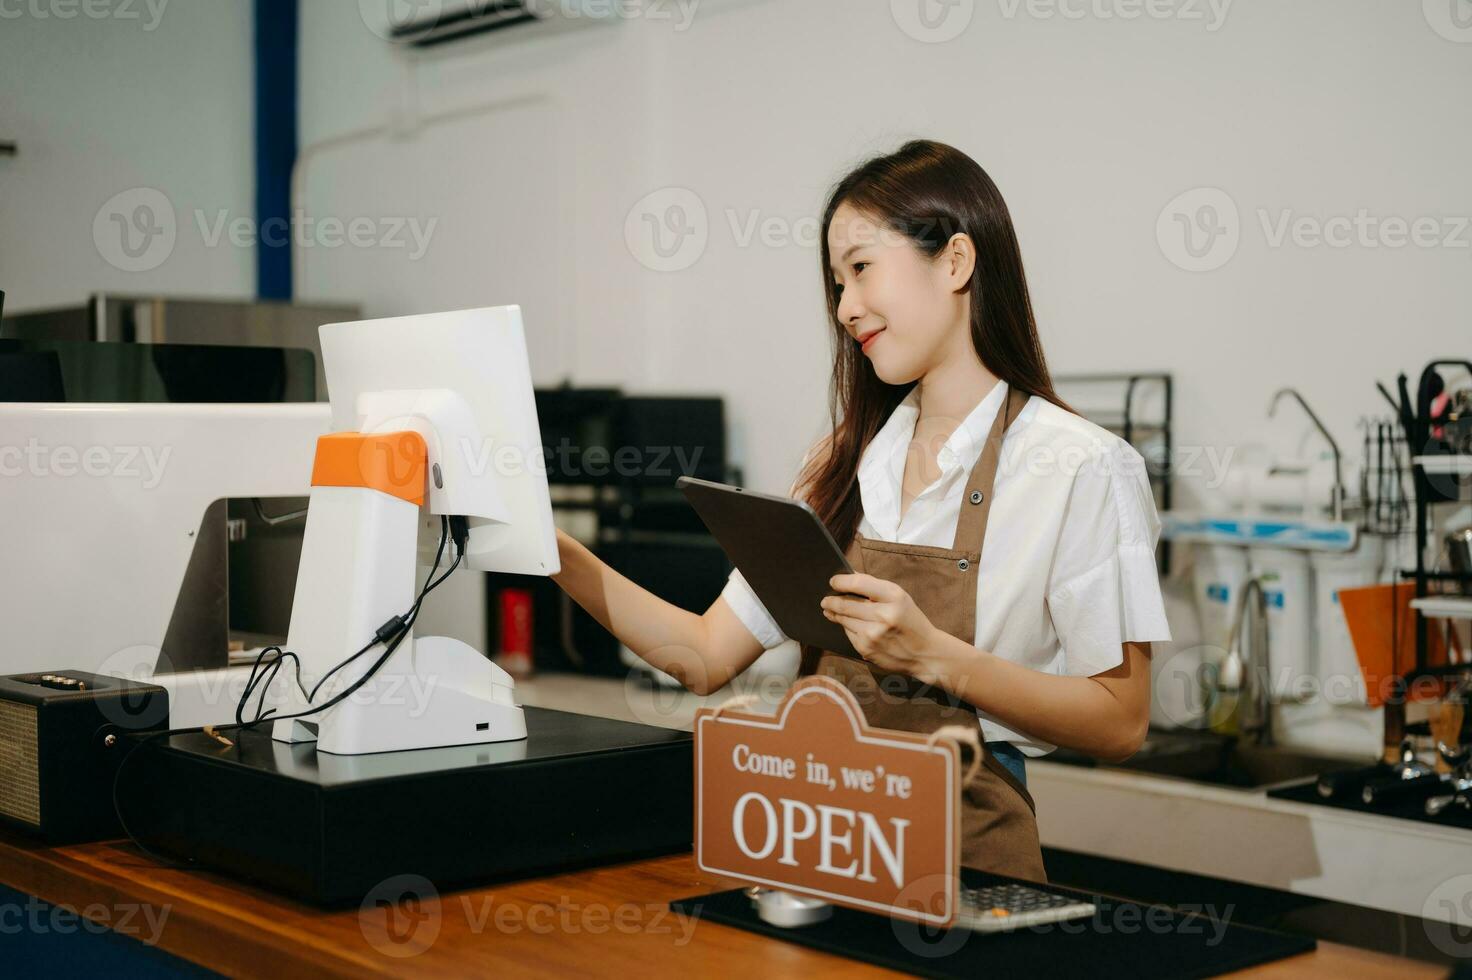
<point x="1248" y="675"/>
<point x="1460" y="783"/>
<point x="1337" y="504"/>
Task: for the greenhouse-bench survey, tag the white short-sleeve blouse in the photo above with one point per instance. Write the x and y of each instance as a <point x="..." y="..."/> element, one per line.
<point x="1067" y="573"/>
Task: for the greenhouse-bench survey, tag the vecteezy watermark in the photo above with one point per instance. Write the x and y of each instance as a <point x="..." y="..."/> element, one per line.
<point x="938" y="21"/>
<point x="1201" y="229"/>
<point x="570" y="462"/>
<point x="1211" y="13"/>
<point x="147" y="12"/>
<point x="414" y="692"/>
<point x="133" y="706"/>
<point x="394" y="19"/>
<point x="1452" y="19"/>
<point x="667" y="230"/>
<point x="570" y="918"/>
<point x="143" y="463"/>
<point x="402" y="917"/>
<point x="1446" y="916"/>
<point x="1184" y="688"/>
<point x="136" y="230"/>
<point x="1193" y="685"/>
<point x="387" y="18"/>
<point x="139" y="921"/>
<point x="480" y="456"/>
<point x="933" y="21"/>
<point x="1208" y="464"/>
<point x="1363" y="230"/>
<point x="1110" y="917"/>
<point x="680" y="13"/>
<point x="655" y="703"/>
<point x="304" y="231"/>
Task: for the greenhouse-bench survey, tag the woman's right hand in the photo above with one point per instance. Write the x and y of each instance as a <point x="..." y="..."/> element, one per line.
<point x="703" y="651"/>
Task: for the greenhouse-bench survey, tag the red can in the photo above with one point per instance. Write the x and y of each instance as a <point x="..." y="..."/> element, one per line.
<point x="515" y="644"/>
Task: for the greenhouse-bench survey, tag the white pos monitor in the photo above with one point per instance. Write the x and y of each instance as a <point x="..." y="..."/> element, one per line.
<point x="462" y="382"/>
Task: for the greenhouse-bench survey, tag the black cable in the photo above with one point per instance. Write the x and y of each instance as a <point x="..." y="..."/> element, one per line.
<point x="405" y="622"/>
<point x="117" y="779"/>
<point x="391" y="633"/>
<point x="387" y="630"/>
<point x="265" y="678"/>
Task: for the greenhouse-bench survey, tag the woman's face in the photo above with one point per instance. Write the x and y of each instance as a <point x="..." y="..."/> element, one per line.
<point x="905" y="307"/>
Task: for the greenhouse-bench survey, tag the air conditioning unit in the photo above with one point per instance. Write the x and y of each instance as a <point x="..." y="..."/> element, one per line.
<point x="421" y="23"/>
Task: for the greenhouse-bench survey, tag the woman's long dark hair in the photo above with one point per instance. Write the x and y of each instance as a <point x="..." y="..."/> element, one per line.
<point x="928" y="192"/>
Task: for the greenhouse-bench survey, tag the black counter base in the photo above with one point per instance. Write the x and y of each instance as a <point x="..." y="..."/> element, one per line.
<point x="1408" y="808"/>
<point x="578" y="791"/>
<point x="1376" y="930"/>
<point x="1123" y="939"/>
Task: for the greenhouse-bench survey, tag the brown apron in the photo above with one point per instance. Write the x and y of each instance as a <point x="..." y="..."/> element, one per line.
<point x="998" y="830"/>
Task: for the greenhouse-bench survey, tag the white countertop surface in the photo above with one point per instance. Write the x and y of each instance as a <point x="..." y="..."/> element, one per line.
<point x="1243" y="835"/>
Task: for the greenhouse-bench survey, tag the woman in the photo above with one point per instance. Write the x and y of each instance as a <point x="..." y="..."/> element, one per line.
<point x="946" y="437"/>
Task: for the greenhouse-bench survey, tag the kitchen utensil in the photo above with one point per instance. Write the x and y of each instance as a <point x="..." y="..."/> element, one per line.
<point x="1379" y="792"/>
<point x="1383" y="629"/>
<point x="1459" y="551"/>
<point x="1461" y="782"/>
<point x="1350" y="784"/>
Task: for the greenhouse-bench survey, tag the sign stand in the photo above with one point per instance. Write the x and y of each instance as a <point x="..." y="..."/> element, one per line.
<point x="782" y="908"/>
<point x="812" y="810"/>
<point x="816" y="809"/>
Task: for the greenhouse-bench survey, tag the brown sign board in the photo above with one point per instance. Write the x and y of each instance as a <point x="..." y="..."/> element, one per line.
<point x="814" y="801"/>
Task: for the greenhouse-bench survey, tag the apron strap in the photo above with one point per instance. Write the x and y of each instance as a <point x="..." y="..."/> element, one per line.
<point x="961" y="733"/>
<point x="976" y="501"/>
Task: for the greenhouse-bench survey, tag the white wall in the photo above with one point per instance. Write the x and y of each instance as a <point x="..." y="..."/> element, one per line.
<point x="1090" y="125"/>
<point x="123" y="98"/>
<point x="530" y="157"/>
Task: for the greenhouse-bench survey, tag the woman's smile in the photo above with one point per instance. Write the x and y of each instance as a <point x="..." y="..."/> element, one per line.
<point x="866" y="340"/>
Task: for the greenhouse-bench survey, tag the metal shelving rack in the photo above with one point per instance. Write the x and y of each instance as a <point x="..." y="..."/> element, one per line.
<point x="1438" y="477"/>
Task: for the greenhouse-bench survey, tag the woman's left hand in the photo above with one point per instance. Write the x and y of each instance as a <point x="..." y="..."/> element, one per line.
<point x="885" y="627"/>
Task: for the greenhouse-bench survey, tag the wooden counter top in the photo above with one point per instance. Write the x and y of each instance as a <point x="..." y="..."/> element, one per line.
<point x="610" y="921"/>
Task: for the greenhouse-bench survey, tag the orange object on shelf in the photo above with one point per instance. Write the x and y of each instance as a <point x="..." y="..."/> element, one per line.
<point x="1382" y="625"/>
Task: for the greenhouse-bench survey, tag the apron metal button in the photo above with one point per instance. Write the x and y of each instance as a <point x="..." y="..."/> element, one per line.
<point x="963" y="564"/>
<point x="976" y="496"/>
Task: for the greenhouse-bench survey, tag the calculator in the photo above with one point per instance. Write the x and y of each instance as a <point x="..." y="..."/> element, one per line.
<point x="999" y="908"/>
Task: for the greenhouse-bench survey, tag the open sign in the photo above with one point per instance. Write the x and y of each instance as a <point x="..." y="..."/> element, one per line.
<point x="814" y="801"/>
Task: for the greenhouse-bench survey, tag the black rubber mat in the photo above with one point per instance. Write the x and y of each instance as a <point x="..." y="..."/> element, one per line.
<point x="1121" y="939"/>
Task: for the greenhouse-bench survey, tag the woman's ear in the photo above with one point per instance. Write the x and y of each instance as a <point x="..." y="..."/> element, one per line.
<point x="959" y="261"/>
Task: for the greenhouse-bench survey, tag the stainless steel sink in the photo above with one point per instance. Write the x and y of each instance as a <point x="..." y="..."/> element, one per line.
<point x="1221" y="760"/>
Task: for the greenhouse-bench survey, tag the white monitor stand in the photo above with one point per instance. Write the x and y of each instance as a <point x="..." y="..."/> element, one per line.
<point x="436" y="417"/>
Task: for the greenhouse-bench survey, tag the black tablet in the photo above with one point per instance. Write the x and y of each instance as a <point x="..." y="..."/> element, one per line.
<point x="783" y="551"/>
